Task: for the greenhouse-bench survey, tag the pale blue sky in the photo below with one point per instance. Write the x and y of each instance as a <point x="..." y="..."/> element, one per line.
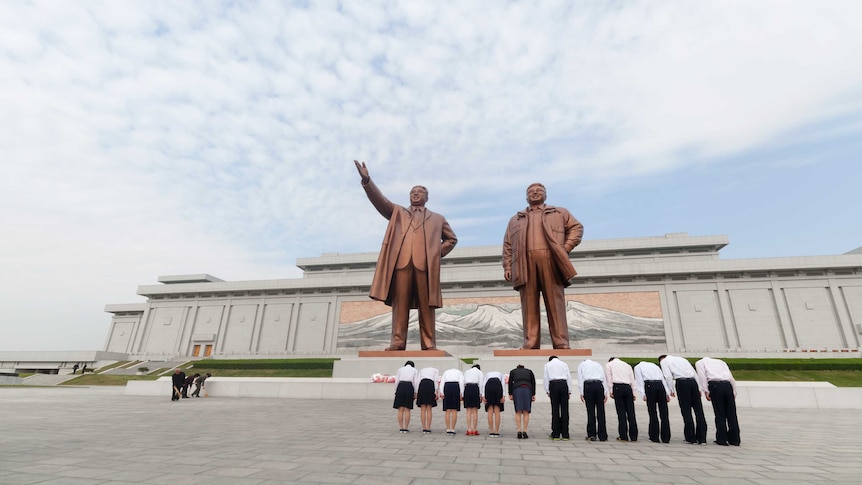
<point x="151" y="138"/>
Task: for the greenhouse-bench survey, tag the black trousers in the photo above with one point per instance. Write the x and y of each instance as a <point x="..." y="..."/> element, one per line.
<point x="656" y="400"/>
<point x="689" y="400"/>
<point x="594" y="397"/>
<point x="559" y="393"/>
<point x="724" y="406"/>
<point x="624" y="402"/>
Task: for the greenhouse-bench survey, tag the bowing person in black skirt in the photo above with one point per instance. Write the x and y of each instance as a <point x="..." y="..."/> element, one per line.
<point x="426" y="398"/>
<point x="406" y="381"/>
<point x="452" y="384"/>
<point x="472" y="398"/>
<point x="493" y="397"/>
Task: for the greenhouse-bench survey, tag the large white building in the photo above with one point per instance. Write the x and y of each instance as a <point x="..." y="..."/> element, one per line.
<point x="670" y="293"/>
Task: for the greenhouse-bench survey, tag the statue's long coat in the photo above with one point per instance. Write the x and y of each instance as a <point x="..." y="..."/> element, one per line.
<point x="562" y="231"/>
<point x="439" y="241"/>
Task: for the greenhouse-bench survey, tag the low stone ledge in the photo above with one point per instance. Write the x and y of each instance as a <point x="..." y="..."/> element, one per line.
<point x="799" y="395"/>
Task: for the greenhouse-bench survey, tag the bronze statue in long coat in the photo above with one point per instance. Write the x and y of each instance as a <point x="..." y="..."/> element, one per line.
<point x="536" y="260"/>
<point x="408" y="267"/>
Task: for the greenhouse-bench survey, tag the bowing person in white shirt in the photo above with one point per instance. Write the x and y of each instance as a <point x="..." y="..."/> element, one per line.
<point x="406" y="381"/>
<point x="557" y="380"/>
<point x="719" y="387"/>
<point x="426" y="397"/>
<point x="492" y="396"/>
<point x="452" y="387"/>
<point x="594" y="393"/>
<point x="656" y="393"/>
<point x="472" y="398"/>
<point x="621" y="379"/>
<point x="679" y="372"/>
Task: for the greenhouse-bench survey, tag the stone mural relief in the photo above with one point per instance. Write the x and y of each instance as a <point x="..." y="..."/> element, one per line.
<point x="608" y="320"/>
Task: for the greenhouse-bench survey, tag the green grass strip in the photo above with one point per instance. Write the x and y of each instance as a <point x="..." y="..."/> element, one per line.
<point x="325" y="364"/>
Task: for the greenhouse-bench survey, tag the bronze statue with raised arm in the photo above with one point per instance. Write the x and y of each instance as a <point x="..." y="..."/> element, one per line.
<point x="408" y="268"/>
<point x="536" y="259"/>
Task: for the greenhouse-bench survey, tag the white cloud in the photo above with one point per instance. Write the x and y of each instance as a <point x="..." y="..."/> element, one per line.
<point x="142" y="139"/>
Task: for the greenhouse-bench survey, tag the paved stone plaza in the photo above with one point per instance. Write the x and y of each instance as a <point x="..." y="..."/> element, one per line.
<point x="100" y="436"/>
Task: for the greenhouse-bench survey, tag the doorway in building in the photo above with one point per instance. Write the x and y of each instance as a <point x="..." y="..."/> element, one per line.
<point x="196" y="352"/>
<point x="208" y="351"/>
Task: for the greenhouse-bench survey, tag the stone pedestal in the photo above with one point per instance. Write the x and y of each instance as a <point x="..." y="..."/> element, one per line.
<point x="403" y="353"/>
<point x="543" y="352"/>
<point x="371" y="362"/>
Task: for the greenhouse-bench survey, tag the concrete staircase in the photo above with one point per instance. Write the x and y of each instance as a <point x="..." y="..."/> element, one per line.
<point x="167" y="366"/>
<point x="131" y="368"/>
<point x="47" y="379"/>
<point x="128" y="369"/>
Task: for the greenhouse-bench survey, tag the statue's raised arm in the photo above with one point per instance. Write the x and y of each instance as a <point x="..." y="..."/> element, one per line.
<point x="383" y="205"/>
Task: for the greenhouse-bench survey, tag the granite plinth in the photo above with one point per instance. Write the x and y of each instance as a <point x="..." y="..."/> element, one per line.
<point x="404" y="353"/>
<point x="542" y="352"/>
<point x="365" y="366"/>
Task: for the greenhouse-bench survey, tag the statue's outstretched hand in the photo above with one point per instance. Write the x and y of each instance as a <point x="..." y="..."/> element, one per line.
<point x="363" y="171"/>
